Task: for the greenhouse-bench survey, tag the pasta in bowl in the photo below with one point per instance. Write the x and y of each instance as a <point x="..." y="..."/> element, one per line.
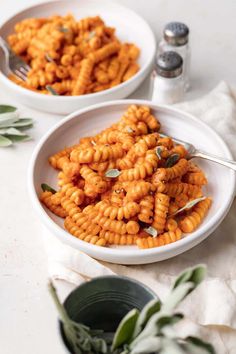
<point x="126" y="194"/>
<point x="80" y="53"/>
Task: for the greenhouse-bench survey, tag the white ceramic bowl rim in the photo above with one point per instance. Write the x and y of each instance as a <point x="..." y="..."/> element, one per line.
<point x="90" y="95"/>
<point x="63" y="234"/>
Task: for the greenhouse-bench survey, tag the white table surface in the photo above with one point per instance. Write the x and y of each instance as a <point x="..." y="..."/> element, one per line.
<point x="28" y="318"/>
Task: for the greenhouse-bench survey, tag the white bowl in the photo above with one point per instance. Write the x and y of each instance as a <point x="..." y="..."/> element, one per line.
<point x="175" y="123"/>
<point x="130" y="27"/>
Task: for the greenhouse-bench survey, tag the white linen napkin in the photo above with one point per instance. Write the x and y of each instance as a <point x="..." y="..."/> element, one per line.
<point x="211" y="309"/>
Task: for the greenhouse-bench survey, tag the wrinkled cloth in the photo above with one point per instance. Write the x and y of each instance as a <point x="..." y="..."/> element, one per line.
<point x="210" y="310"/>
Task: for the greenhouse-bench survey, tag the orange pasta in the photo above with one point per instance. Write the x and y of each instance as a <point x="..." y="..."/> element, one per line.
<point x="194" y="219"/>
<point x="69" y="57"/>
<point x="161" y="240"/>
<point x="123" y="186"/>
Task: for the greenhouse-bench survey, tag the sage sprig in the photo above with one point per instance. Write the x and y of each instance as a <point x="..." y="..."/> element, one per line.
<point x="151" y="330"/>
<point x="77" y="334"/>
<point x="12" y="127"/>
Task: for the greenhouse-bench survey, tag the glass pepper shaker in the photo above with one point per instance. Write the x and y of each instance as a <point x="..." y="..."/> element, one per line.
<point x="176" y="38"/>
<point x="168" y="84"/>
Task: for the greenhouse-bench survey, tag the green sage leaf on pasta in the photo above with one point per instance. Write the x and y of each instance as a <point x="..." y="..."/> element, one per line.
<point x="171" y="161"/>
<point x="112" y="173"/>
<point x="45" y="187"/>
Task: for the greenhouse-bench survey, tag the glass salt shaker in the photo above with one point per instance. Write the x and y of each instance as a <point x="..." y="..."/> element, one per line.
<point x="168" y="84"/>
<point x="176" y="38"/>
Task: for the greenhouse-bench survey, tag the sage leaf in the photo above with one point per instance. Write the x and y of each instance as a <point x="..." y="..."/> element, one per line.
<point x="194" y="274"/>
<point x="51" y="90"/>
<point x="112" y="173"/>
<point x="147" y="345"/>
<point x="6" y="109"/>
<point x="19" y="138"/>
<point x="158" y="151"/>
<point x="125" y="329"/>
<point x="151" y="231"/>
<point x="149" y="309"/>
<point x="189" y="205"/>
<point x="19" y="123"/>
<point x="176" y="296"/>
<point x="45" y="187"/>
<point x="170" y="346"/>
<point x="12" y="131"/>
<point x="171" y="161"/>
<point x="169" y="320"/>
<point x="151" y="328"/>
<point x="4" y="142"/>
<point x="7" y="119"/>
<point x="23" y="123"/>
<point x="207" y="347"/>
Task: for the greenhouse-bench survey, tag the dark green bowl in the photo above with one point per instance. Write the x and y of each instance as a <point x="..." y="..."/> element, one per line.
<point x="102" y="302"/>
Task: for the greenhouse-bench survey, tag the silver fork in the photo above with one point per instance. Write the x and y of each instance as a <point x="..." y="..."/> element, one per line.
<point x="193" y="152"/>
<point x="15" y="64"/>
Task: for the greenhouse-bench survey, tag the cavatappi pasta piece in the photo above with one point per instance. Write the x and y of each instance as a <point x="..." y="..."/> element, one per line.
<point x="104" y="52"/>
<point x="141" y="170"/>
<point x="161" y="206"/>
<point x="196" y="216"/>
<point x="171" y="225"/>
<point x="114" y="136"/>
<point x="144" y="143"/>
<point x="80" y="233"/>
<point x="93" y="179"/>
<point x="120" y="227"/>
<point x="118" y="239"/>
<point x="84" y="77"/>
<point x="46" y="199"/>
<point x="113" y="68"/>
<point x="181" y="200"/>
<point x="103" y="166"/>
<point x="124" y="63"/>
<point x="142" y="113"/>
<point x="53" y="160"/>
<point x="71" y="169"/>
<point x="56" y="198"/>
<point x="127" y="211"/>
<point x="197" y="178"/>
<point x="133" y="68"/>
<point x="166" y="174"/>
<point x="99" y="153"/>
<point x="174" y="189"/>
<point x="146" y="209"/>
<point x="73" y="193"/>
<point x="63" y="179"/>
<point x="160" y="240"/>
<point x="138" y="190"/>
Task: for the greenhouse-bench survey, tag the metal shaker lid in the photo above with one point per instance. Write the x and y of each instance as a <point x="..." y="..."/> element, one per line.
<point x="176" y="33"/>
<point x="169" y="64"/>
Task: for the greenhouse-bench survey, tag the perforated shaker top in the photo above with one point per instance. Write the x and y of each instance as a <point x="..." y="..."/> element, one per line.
<point x="176" y="33"/>
<point x="169" y="64"/>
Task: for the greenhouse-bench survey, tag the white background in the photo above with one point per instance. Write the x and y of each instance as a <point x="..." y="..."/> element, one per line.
<point x="27" y="317"/>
